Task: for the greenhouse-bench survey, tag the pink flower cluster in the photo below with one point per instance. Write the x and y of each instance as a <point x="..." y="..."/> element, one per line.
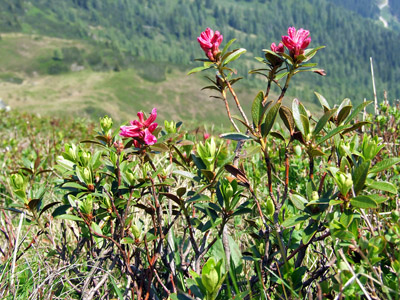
<point x="209" y="42"/>
<point x="141" y="131"/>
<point x="296" y="41"/>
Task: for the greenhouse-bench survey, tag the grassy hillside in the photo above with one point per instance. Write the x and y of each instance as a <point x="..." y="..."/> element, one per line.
<point x="25" y="85"/>
<point x="119" y="46"/>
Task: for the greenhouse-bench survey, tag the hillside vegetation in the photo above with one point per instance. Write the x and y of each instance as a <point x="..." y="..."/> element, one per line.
<point x="166" y="31"/>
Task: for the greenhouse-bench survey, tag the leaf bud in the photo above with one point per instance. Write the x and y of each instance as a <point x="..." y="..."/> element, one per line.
<point x="135" y="231"/>
<point x="106" y="123"/>
<point x="17" y="182"/>
<point x="209" y="276"/>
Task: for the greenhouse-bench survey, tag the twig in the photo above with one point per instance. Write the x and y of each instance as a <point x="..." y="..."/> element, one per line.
<point x="354" y="274"/>
<point x="16" y="246"/>
<point x="373" y="86"/>
<point x="228" y="111"/>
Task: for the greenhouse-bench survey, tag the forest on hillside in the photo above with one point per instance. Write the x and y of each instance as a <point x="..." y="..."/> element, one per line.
<point x="166" y="31"/>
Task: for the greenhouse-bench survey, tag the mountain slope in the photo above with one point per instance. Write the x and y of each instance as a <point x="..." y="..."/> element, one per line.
<point x="166" y="31"/>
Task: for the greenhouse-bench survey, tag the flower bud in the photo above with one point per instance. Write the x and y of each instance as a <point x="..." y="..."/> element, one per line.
<point x="297" y="150"/>
<point x="85" y="158"/>
<point x="17" y="181"/>
<point x="209" y="276"/>
<point x="130" y="177"/>
<point x="270" y="207"/>
<point x="135" y="231"/>
<point x="314" y="196"/>
<point x="106" y="124"/>
<point x="87" y="175"/>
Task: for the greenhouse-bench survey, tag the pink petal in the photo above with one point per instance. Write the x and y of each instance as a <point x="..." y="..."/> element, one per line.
<point x="151" y="118"/>
<point x="152" y="127"/>
<point x="129" y="131"/>
<point x="291" y="32"/>
<point x="305" y="43"/>
<point x="288" y="42"/>
<point x="302" y="34"/>
<point x="204" y="44"/>
<point x="140" y="115"/>
<point x="149" y="139"/>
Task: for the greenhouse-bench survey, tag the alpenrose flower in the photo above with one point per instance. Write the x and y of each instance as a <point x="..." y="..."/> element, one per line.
<point x="209" y="42"/>
<point x="141" y="131"/>
<point x="296" y="41"/>
<point x="277" y="49"/>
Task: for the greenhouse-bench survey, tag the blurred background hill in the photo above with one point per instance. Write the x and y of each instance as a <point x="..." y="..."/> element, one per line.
<point x="92" y="57"/>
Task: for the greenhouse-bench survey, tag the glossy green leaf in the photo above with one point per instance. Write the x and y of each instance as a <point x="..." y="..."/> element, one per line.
<point x="298" y="201"/>
<point x="359" y="175"/>
<point x="69" y="217"/>
<point x="297" y="116"/>
<point x="235" y="136"/>
<point x="309" y="232"/>
<point x="280" y="76"/>
<point x="234" y="55"/>
<point x="343" y="113"/>
<point x="356" y="111"/>
<point x="384" y="164"/>
<point x="287" y="118"/>
<point x="293" y="221"/>
<point x="257" y="109"/>
<point x="332" y="133"/>
<point x="382" y="186"/>
<point x="228" y="44"/>
<point x="346" y="218"/>
<point x="270" y="118"/>
<point x="197" y="69"/>
<point x="322" y="100"/>
<point x="306" y="125"/>
<point x="322" y="122"/>
<point x="363" y="201"/>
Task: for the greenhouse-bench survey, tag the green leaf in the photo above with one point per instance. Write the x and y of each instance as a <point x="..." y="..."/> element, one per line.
<point x="127" y="240"/>
<point x="47" y="207"/>
<point x="287" y="118"/>
<point x="316" y="152"/>
<point x="322" y="122"/>
<point x="197" y="69"/>
<point x="382" y="186"/>
<point x="280" y="76"/>
<point x="228" y="44"/>
<point x="356" y="111"/>
<point x="344" y="235"/>
<point x="298" y="201"/>
<point x="356" y="126"/>
<point x="257" y="109"/>
<point x="69" y="217"/>
<point x="235" y="55"/>
<point x="117" y="289"/>
<point x="378" y="198"/>
<point x="270" y="118"/>
<point x="343" y="113"/>
<point x="297" y="116"/>
<point x="359" y="175"/>
<point x="235" y="136"/>
<point x="306" y="125"/>
<point x="322" y="100"/>
<point x="309" y="232"/>
<point x="293" y="221"/>
<point x="332" y="133"/>
<point x="384" y="164"/>
<point x="363" y="201"/>
<point x="309" y="53"/>
<point x="346" y="217"/>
